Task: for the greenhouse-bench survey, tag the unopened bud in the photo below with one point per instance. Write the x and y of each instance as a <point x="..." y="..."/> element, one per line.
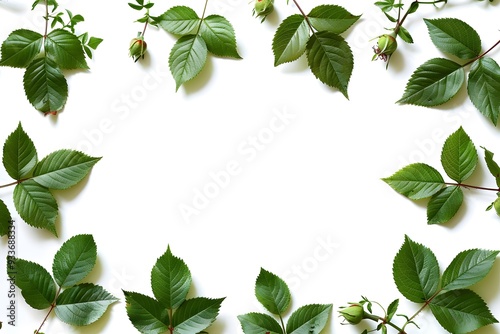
<point x="263" y="8"/>
<point x="496" y="205"/>
<point x="386" y="45"/>
<point x="353" y="313"/>
<point x="137" y="48"/>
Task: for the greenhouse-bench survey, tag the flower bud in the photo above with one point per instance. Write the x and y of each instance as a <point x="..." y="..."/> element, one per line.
<point x="137" y="48"/>
<point x="353" y="314"/>
<point x="496" y="205"/>
<point x="386" y="45"/>
<point x="263" y="8"/>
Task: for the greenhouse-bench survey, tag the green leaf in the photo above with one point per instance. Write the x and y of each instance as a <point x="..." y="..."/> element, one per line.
<point x="187" y="58"/>
<point x="146" y="313"/>
<point x="461" y="311"/>
<point x="63" y="169"/>
<point x="179" y="20"/>
<point x="330" y="59"/>
<point x="308" y="319"/>
<point x="483" y="87"/>
<point x="170" y="280"/>
<point x="5" y="219"/>
<point x="290" y="39"/>
<point x="386" y="5"/>
<point x="391" y="309"/>
<point x="258" y="323"/>
<point x="416" y="271"/>
<point x="36" y="284"/>
<point x="83" y="304"/>
<point x="272" y="292"/>
<point x="36" y="205"/>
<point x="459" y="156"/>
<point x="65" y="49"/>
<point x="433" y="83"/>
<point x="405" y="35"/>
<point x="451" y="35"/>
<point x="444" y="205"/>
<point x="219" y="36"/>
<point x="19" y="154"/>
<point x="492" y="165"/>
<point x="331" y="18"/>
<point x="94" y="42"/>
<point x="416" y="181"/>
<point x="45" y="85"/>
<point x="74" y="260"/>
<point x="20" y="48"/>
<point x="468" y="268"/>
<point x="195" y="315"/>
<point x="134" y="6"/>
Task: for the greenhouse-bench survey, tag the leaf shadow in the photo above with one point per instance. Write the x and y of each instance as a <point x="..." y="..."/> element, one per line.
<point x="12" y="7"/>
<point x="70" y="194"/>
<point x="296" y="66"/>
<point x="96" y="272"/>
<point x="201" y="80"/>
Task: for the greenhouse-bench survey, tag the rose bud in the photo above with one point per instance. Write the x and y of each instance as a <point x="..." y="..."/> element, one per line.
<point x="353" y="314"/>
<point x="263" y="8"/>
<point x="386" y="45"/>
<point x="137" y="48"/>
<point x="496" y="205"/>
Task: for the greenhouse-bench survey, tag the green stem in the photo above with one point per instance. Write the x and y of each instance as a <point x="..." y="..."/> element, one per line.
<point x="304" y="15"/>
<point x="46" y="19"/>
<point x="427" y="302"/>
<point x="52" y="306"/>
<point x="170" y="328"/>
<point x="376" y="318"/>
<point x="147" y="21"/>
<point x="471" y="186"/>
<point x="401" y="21"/>
<point x="202" y="17"/>
<point x="282" y="323"/>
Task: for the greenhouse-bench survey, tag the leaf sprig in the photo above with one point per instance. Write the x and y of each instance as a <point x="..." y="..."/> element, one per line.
<point x="169" y="311"/>
<point x="459" y="159"/>
<point x="35" y="179"/>
<point x="438" y="80"/>
<point x="416" y="273"/>
<point x="317" y="34"/>
<point x="273" y="293"/>
<point x="45" y="56"/>
<point x="74" y="303"/>
<point x="388" y="7"/>
<point x="199" y="36"/>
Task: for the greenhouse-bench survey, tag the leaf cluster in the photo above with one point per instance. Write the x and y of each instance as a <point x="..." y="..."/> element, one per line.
<point x="73" y="302"/>
<point x="34" y="179"/>
<point x="459" y="159"/>
<point x="198" y="36"/>
<point x="45" y="56"/>
<point x="457" y="308"/>
<point x="438" y="80"/>
<point x="388" y="6"/>
<point x="273" y="293"/>
<point x="139" y="5"/>
<point x="317" y="34"/>
<point x="169" y="310"/>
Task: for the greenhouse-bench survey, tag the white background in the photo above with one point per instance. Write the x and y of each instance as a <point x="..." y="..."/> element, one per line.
<point x="309" y="205"/>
